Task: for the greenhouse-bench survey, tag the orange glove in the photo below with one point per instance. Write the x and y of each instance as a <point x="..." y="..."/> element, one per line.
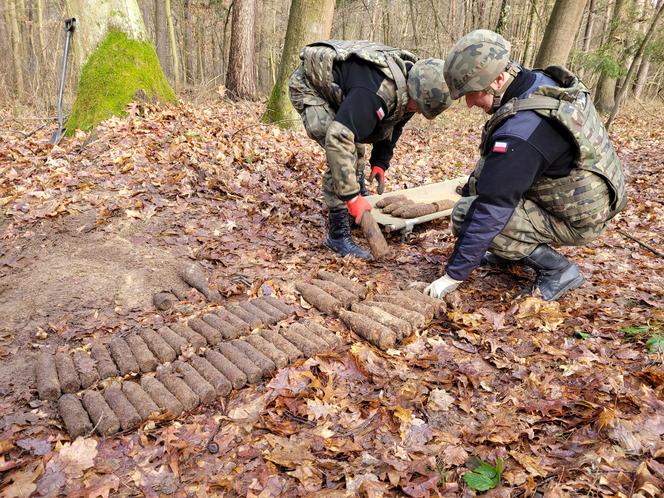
<point x="357" y="206"/>
<point x="378" y="174"/>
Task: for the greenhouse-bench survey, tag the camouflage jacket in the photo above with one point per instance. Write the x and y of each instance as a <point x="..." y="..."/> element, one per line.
<point x="318" y="60"/>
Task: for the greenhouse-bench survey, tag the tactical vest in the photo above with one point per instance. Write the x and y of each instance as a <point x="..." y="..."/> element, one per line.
<point x="318" y="60"/>
<point x="577" y="196"/>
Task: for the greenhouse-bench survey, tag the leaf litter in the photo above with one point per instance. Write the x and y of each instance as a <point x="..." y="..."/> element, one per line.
<point x="561" y="397"/>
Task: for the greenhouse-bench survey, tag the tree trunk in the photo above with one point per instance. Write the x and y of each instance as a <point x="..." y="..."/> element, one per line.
<point x="241" y="79"/>
<point x="161" y="35"/>
<point x="560" y="32"/>
<point x="632" y="68"/>
<point x="528" y="51"/>
<point x="118" y="63"/>
<point x="177" y="74"/>
<point x="606" y="86"/>
<point x="590" y="22"/>
<point x="308" y="21"/>
<point x="15" y="36"/>
<point x="188" y="44"/>
<point x="502" y="17"/>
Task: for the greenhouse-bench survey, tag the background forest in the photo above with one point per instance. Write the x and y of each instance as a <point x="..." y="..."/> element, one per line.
<point x="608" y="36"/>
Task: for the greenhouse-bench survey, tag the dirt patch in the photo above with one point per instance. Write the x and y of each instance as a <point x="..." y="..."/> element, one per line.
<point x="78" y="281"/>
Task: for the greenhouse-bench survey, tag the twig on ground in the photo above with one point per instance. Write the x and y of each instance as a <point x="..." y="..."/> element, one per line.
<point x="647" y="246"/>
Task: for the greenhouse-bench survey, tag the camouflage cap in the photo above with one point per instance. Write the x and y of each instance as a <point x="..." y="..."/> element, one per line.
<point x="475" y="61"/>
<point x="426" y="86"/>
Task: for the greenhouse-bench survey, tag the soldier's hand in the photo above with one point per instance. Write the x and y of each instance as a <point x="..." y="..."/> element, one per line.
<point x="357" y="206"/>
<point x="438" y="288"/>
<point x="378" y="174"/>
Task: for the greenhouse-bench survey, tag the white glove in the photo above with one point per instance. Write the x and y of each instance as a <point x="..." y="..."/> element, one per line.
<point x="438" y="288"/>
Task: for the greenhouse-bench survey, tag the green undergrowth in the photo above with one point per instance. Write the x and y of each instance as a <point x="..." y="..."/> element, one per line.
<point x="119" y="71"/>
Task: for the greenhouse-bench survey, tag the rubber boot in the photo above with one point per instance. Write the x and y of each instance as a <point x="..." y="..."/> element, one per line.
<point x="491" y="259"/>
<point x="555" y="273"/>
<point x="339" y="238"/>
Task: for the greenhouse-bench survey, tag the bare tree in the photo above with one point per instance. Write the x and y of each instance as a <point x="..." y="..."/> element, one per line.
<point x="118" y="63"/>
<point x="309" y="20"/>
<point x="241" y="79"/>
<point x="560" y="32"/>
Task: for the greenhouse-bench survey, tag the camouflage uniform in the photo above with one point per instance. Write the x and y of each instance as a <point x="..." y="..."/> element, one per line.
<point x="316" y="97"/>
<point x="572" y="210"/>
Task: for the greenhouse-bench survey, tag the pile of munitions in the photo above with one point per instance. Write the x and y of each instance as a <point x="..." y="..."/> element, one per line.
<point x="384" y="321"/>
<point x="400" y="206"/>
<point x="163" y="373"/>
<point x="117" y="386"/>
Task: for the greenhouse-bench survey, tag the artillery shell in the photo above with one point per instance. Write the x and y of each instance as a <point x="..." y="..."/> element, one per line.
<point x="122" y="355"/>
<point x="240" y="360"/>
<point x="228" y="369"/>
<point x="420" y="307"/>
<point x="393" y="206"/>
<point x="101" y="415"/>
<point x="162" y="396"/>
<point x="282" y="344"/>
<point x="241" y="313"/>
<point x="377" y="334"/>
<point x="212" y="335"/>
<point x="122" y="407"/>
<point x="164" y="300"/>
<point x="174" y="340"/>
<point x="189" y="335"/>
<point x="390" y="199"/>
<point x="415" y="318"/>
<point x="267" y="308"/>
<point x="302" y="343"/>
<point x="438" y="306"/>
<point x="375" y="238"/>
<point x="159" y="347"/>
<point x="240" y="327"/>
<point x="332" y="339"/>
<point x="311" y="336"/>
<point x="348" y="284"/>
<point x="318" y="298"/>
<point x="105" y="365"/>
<point x="221" y="384"/>
<point x="85" y="366"/>
<point x="179" y="389"/>
<point x="226" y="329"/>
<point x="48" y="384"/>
<point x="279" y="304"/>
<point x="400" y="327"/>
<point x="263" y="362"/>
<point x="147" y="362"/>
<point x="67" y="376"/>
<point x="74" y="415"/>
<point x="194" y="275"/>
<point x="257" y="312"/>
<point x="140" y="400"/>
<point x="345" y="297"/>
<point x="203" y="389"/>
<point x="268" y="349"/>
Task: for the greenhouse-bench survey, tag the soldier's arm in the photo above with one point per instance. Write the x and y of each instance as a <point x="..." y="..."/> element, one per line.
<point x="382" y="152"/>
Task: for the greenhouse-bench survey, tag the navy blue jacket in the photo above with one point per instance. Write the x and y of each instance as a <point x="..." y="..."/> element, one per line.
<point x="529" y="146"/>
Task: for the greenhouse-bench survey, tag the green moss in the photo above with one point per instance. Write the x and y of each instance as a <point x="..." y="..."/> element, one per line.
<point x="279" y="108"/>
<point x="118" y="70"/>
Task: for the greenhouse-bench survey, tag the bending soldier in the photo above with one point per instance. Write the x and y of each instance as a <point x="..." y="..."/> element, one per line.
<point x="548" y="173"/>
<point x="350" y="93"/>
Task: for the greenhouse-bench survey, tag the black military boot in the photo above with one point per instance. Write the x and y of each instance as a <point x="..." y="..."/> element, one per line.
<point x="339" y="238"/>
<point x="491" y="259"/>
<point x="555" y="273"/>
<point x="363" y="185"/>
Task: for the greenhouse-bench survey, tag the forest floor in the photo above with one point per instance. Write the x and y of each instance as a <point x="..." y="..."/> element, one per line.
<point x="569" y="395"/>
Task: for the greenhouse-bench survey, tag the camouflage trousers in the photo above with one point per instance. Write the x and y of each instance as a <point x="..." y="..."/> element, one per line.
<point x="317" y="116"/>
<point x="532" y="225"/>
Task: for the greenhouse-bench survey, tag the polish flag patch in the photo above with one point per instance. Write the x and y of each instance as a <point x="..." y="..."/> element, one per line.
<point x="380" y="113"/>
<point x="500" y="147"/>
